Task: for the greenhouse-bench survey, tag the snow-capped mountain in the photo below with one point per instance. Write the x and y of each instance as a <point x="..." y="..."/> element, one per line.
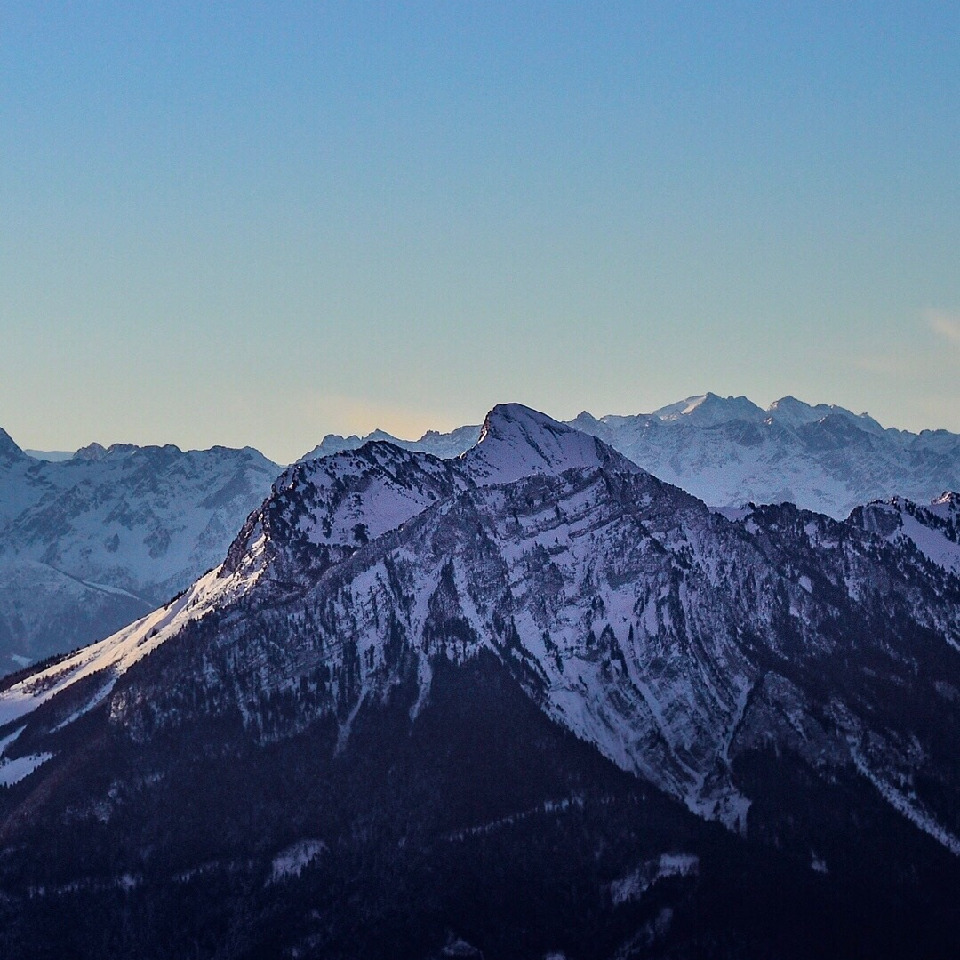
<point x="415" y="685"/>
<point x="517" y="442"/>
<point x="446" y="446"/>
<point x="729" y="451"/>
<point x="90" y="543"/>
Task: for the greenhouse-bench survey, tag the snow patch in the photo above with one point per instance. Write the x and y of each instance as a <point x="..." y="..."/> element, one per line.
<point x="115" y="655"/>
<point x="633" y="886"/>
<point x="7" y="740"/>
<point x="13" y="771"/>
<point x="902" y="804"/>
<point x="291" y="861"/>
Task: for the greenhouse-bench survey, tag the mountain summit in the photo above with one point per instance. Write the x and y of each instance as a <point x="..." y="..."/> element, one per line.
<point x="709" y="410"/>
<point x="9" y="450"/>
<point x="516" y="442"/>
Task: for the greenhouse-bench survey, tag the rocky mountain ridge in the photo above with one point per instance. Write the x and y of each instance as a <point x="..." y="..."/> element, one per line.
<point x="90" y="542"/>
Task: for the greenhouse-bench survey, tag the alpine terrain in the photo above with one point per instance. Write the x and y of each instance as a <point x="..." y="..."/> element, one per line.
<point x="729" y="452"/>
<point x="528" y="702"/>
<point x="90" y="543"/>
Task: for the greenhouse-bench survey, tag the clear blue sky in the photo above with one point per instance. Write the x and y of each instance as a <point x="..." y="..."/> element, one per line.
<point x="260" y="222"/>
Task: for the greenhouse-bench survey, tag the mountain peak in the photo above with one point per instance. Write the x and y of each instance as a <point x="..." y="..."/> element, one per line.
<point x="517" y="441"/>
<point x="710" y="409"/>
<point x="947" y="508"/>
<point x="584" y="417"/>
<point x="9" y="450"/>
<point x="505" y="417"/>
<point x="92" y="451"/>
<point x="790" y="410"/>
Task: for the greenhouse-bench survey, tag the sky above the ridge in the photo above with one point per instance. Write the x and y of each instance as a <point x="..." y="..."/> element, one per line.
<point x="257" y="223"/>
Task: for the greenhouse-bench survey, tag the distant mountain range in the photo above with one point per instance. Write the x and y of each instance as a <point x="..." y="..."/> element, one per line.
<point x="91" y="542"/>
<point x="442" y="445"/>
<point x="528" y="702"/>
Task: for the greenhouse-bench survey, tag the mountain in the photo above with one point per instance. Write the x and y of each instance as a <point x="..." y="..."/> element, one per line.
<point x="729" y="451"/>
<point x="443" y="445"/>
<point x="517" y="442"/>
<point x="934" y="529"/>
<point x="529" y="702"/>
<point x="91" y="543"/>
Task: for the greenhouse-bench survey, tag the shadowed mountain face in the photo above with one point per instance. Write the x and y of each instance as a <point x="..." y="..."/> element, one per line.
<point x="529" y="702"/>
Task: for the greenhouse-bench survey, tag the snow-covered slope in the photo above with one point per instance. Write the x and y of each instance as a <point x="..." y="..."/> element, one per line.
<point x="934" y="529"/>
<point x="87" y="544"/>
<point x="320" y="511"/>
<point x="45" y="611"/>
<point x="103" y="662"/>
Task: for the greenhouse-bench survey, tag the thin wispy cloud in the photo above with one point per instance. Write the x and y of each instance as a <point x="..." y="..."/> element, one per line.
<point x="944" y="324"/>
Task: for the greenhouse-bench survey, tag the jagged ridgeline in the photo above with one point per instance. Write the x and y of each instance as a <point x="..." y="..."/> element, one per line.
<point x="91" y="542"/>
<point x="728" y="451"/>
<point x="528" y="702"/>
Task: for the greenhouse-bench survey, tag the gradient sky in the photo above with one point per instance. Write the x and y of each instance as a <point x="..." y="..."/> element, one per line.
<point x="259" y="222"/>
